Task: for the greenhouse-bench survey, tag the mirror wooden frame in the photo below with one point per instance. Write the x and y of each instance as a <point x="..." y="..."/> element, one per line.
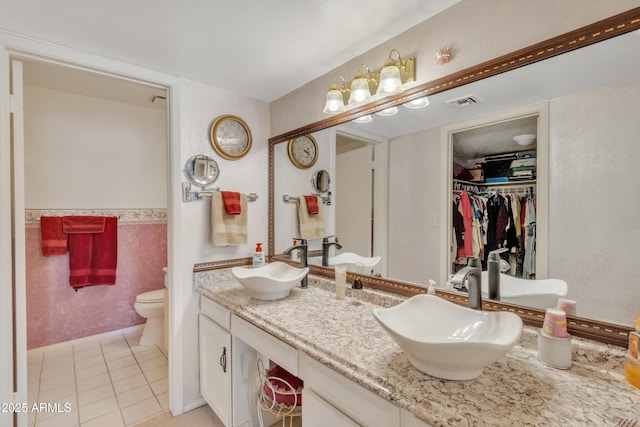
<point x="584" y="36"/>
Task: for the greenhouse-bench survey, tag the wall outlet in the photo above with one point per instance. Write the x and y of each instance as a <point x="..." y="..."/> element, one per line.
<point x="432" y="221"/>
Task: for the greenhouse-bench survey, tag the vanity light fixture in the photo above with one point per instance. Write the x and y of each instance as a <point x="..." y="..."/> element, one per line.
<point x="417" y="103"/>
<point x="391" y="111"/>
<point x="388" y="81"/>
<point x="360" y="89"/>
<point x="391" y="75"/>
<point x="363" y="119"/>
<point x="335" y="97"/>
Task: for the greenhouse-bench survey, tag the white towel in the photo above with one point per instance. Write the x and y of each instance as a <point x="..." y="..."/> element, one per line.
<point x="228" y="229"/>
<point x="311" y="226"/>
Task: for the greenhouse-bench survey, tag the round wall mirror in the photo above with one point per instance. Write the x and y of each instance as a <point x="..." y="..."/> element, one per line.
<point x="321" y="181"/>
<point x="202" y="170"/>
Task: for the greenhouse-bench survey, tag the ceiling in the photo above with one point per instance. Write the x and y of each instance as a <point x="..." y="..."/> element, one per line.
<point x="259" y="49"/>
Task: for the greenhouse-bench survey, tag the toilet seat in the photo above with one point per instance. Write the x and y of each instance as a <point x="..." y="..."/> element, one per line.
<point x="151" y="296"/>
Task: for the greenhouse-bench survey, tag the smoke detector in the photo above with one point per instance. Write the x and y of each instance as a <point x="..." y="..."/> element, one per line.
<point x="464" y="101"/>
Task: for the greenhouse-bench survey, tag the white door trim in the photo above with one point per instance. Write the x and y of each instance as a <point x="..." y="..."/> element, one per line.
<point x="14" y="46"/>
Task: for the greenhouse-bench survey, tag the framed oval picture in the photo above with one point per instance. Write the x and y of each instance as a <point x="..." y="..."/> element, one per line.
<point x="230" y="137"/>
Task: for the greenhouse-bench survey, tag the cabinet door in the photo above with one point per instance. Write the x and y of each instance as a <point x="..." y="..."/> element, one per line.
<point x="316" y="412"/>
<point x="215" y="368"/>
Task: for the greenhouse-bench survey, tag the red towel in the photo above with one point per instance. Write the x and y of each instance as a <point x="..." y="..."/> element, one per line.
<point x="93" y="256"/>
<point x="231" y="201"/>
<point x="54" y="240"/>
<point x="83" y="224"/>
<point x="312" y="204"/>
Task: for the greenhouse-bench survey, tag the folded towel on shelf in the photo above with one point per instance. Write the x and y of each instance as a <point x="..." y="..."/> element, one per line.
<point x="228" y="229"/>
<point x="93" y="257"/>
<point x="231" y="201"/>
<point x="83" y="224"/>
<point x="54" y="240"/>
<point x="312" y="204"/>
<point x="311" y="226"/>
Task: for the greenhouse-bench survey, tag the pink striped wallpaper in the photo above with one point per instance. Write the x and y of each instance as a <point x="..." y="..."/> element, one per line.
<point x="56" y="313"/>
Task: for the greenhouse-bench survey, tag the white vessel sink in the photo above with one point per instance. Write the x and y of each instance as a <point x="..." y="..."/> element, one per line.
<point x="542" y="293"/>
<point x="446" y="340"/>
<point x="271" y="281"/>
<point x="349" y="260"/>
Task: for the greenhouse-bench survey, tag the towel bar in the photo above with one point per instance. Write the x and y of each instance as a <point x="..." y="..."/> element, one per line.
<point x="189" y="196"/>
<point x="289" y="199"/>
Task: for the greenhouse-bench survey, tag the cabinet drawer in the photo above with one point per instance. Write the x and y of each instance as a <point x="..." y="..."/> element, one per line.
<point x="359" y="404"/>
<point x="281" y="353"/>
<point x="215" y="312"/>
<point x="316" y="412"/>
<point x="410" y="420"/>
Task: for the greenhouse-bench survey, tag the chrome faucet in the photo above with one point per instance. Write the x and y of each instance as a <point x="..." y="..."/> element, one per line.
<point x="473" y="273"/>
<point x="302" y="248"/>
<point x="326" y="244"/>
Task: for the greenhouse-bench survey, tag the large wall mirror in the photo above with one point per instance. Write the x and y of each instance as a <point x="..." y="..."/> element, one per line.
<point x="586" y="115"/>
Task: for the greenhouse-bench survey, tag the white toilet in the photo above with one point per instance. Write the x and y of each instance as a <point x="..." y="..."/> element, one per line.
<point x="150" y="305"/>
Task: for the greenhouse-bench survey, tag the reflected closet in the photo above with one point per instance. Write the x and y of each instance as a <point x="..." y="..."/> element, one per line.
<point x="494" y="195"/>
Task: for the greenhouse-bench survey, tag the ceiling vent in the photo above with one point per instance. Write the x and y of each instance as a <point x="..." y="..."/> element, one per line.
<point x="464" y="101"/>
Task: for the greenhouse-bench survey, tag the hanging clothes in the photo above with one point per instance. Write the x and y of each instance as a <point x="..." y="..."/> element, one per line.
<point x="498" y="221"/>
<point x="489" y="221"/>
<point x="529" y="263"/>
<point x="466" y="210"/>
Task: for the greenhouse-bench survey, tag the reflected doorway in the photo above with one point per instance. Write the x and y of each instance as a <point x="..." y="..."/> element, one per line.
<point x="360" y="195"/>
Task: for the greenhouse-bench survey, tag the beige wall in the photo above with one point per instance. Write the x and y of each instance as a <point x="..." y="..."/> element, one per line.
<point x="415" y="179"/>
<point x="476" y="30"/>
<point x="594" y="203"/>
<point x="198" y="107"/>
<point x="86" y="152"/>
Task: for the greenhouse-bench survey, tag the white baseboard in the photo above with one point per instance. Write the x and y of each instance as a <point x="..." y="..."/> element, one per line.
<point x="64" y="344"/>
<point x="195" y="404"/>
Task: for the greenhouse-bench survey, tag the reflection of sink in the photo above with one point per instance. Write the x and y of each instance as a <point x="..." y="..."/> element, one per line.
<point x="349" y="260"/>
<point x="271" y="281"/>
<point x="446" y="340"/>
<point x="542" y="293"/>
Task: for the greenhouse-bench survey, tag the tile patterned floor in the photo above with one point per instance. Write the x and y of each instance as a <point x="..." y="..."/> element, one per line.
<point x="107" y="381"/>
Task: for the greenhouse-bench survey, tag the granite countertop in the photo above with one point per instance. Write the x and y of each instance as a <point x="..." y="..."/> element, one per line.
<point x="517" y="390"/>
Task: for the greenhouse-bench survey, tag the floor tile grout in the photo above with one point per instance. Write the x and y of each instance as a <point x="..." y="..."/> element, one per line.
<point x="92" y="349"/>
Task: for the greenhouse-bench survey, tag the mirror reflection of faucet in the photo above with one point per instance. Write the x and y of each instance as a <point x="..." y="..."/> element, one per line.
<point x="494" y="267"/>
<point x="301" y="246"/>
<point x="326" y="245"/>
<point x="471" y="275"/>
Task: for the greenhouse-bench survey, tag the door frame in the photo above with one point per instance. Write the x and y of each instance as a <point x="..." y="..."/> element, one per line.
<point x="12" y="47"/>
<point x="381" y="188"/>
<point x="542" y="181"/>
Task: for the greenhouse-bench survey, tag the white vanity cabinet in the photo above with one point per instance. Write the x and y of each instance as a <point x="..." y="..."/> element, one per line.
<point x="343" y="398"/>
<point x="229" y="350"/>
<point x="228" y="368"/>
<point x="317" y="412"/>
<point x="215" y="370"/>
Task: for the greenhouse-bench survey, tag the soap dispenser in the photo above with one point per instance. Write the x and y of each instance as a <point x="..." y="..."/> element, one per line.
<point x="493" y="271"/>
<point x="258" y="256"/>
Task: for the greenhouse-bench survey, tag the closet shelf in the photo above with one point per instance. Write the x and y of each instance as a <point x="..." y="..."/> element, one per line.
<point x="497" y="184"/>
